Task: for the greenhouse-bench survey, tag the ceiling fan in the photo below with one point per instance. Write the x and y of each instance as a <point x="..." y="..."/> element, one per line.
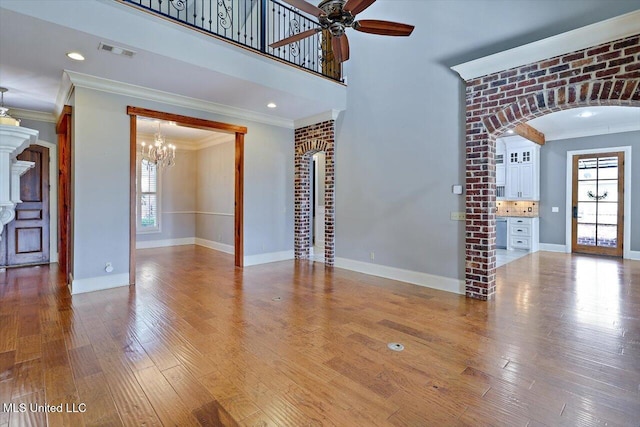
<point x="336" y="16"/>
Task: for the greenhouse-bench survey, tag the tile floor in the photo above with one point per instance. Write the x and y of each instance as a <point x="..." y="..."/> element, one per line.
<point x="504" y="256"/>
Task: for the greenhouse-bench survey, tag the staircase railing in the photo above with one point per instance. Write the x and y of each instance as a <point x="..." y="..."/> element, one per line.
<point x="254" y="24"/>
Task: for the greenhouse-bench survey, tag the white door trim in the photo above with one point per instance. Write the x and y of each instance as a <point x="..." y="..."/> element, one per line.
<point x="626" y="240"/>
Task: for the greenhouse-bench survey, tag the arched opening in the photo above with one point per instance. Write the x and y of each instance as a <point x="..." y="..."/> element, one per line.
<point x="315" y="141"/>
<point x="487" y="120"/>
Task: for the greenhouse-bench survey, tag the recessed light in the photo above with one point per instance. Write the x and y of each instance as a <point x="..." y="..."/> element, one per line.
<point x="271" y="105"/>
<point x="510" y="131"/>
<point x="586" y="114"/>
<point x="76" y="56"/>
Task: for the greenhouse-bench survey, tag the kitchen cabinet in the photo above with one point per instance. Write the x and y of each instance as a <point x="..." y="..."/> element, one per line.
<point x="522" y="171"/>
<point x="523" y="233"/>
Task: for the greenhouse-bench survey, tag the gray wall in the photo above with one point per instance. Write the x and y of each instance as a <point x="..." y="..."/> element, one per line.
<point x="553" y="178"/>
<point x="177" y="196"/>
<point x="215" y="193"/>
<point x="101" y="181"/>
<point x="47" y="129"/>
<point x="400" y="143"/>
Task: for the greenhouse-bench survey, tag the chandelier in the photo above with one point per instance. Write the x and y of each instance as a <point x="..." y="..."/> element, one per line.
<point x="159" y="153"/>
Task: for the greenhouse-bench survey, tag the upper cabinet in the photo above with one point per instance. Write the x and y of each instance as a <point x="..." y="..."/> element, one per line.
<point x="522" y="173"/>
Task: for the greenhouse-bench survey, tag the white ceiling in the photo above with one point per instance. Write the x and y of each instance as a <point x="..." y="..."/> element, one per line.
<point x="604" y="120"/>
<point x="33" y="53"/>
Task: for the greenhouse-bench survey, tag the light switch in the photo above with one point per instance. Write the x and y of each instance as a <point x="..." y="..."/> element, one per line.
<point x="555" y="209"/>
<point x="457" y="189"/>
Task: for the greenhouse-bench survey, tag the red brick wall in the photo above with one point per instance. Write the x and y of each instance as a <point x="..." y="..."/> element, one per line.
<point x="608" y="74"/>
<point x="308" y="141"/>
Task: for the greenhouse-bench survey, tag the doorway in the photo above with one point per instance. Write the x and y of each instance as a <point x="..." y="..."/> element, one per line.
<point x="238" y="131"/>
<point x="318" y="207"/>
<point x="597" y="225"/>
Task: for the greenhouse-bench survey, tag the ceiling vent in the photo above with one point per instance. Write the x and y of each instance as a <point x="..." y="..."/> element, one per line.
<point x="116" y="50"/>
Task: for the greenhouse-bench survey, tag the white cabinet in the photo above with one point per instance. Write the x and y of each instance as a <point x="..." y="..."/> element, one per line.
<point x="523" y="233"/>
<point x="522" y="171"/>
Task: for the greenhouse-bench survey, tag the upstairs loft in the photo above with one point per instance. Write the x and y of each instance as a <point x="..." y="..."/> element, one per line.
<point x="256" y="25"/>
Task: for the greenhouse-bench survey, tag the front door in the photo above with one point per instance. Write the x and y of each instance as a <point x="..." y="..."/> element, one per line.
<point x="598" y="203"/>
<point x="27" y="236"/>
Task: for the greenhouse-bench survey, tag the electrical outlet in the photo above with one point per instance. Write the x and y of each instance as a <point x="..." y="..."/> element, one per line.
<point x="458" y="216"/>
<point x="372" y="255"/>
<point x="555" y="209"/>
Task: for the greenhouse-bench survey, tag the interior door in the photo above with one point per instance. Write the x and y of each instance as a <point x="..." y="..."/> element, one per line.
<point x="598" y="203"/>
<point x="28" y="233"/>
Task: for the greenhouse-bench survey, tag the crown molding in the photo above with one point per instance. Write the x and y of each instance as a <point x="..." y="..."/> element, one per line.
<point x="126" y="89"/>
<point x="581" y="38"/>
<point x="317" y="118"/>
<point x="33" y="115"/>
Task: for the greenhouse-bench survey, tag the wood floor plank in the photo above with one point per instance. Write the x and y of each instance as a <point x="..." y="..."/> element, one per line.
<point x="165" y="401"/>
<point x="200" y="342"/>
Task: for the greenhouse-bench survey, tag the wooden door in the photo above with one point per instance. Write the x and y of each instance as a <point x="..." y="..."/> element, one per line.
<point x="598" y="203"/>
<point x="28" y="233"/>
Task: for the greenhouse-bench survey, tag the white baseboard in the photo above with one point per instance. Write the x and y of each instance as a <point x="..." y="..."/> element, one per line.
<point x="422" y="279"/>
<point x="268" y="257"/>
<point x="552" y="247"/>
<point x="635" y="255"/>
<point x="165" y="243"/>
<point x="227" y="249"/>
<point x="80" y="286"/>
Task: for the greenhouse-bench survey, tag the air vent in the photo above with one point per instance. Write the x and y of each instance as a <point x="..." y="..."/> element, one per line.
<point x="116" y="50"/>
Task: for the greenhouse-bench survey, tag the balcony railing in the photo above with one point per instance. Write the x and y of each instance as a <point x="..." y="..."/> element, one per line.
<point x="254" y="24"/>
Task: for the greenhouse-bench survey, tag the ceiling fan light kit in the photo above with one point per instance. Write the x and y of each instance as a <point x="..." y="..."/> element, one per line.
<point x="336" y="16"/>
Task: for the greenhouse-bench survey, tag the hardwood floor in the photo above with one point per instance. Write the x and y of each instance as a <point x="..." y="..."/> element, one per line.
<point x="198" y="342"/>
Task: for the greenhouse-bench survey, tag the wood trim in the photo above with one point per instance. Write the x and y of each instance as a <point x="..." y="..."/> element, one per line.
<point x="133" y="132"/>
<point x="239" y="201"/>
<point x="530" y="133"/>
<point x="599" y="250"/>
<point x="62" y="124"/>
<point x="186" y="121"/>
<point x="239" y="131"/>
<point x="65" y="246"/>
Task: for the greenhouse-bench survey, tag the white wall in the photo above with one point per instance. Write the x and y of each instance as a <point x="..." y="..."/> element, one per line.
<point x="101" y="185"/>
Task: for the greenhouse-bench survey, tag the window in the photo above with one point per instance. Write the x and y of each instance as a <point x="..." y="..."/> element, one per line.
<point x="148" y="213"/>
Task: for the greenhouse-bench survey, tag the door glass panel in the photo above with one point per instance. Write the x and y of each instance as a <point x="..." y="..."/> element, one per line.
<point x="608" y="168"/>
<point x="586" y="234"/>
<point x="607" y="191"/>
<point x="587" y="169"/>
<point x="587" y="212"/>
<point x="586" y="189"/>
<point x="608" y="213"/>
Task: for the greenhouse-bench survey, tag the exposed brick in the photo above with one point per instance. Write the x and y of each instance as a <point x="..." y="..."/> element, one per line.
<point x="594" y="67"/>
<point x="559" y="68"/>
<point x="573" y="57"/>
<point x="626" y="43"/>
<point x="599" y="50"/>
<point x="550" y="63"/>
<point x="609" y="72"/>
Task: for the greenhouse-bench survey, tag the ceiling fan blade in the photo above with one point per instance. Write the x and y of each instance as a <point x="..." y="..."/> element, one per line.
<point x="294" y="38"/>
<point x="357" y="6"/>
<point x="306" y="7"/>
<point x="384" y="28"/>
<point x="340" y="46"/>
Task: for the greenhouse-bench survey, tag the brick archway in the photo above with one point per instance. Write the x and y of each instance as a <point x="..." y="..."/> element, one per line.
<point x="310" y="140"/>
<point x="608" y="74"/>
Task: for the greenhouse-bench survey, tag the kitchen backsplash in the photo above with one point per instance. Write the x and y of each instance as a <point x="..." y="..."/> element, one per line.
<point x="517" y="208"/>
